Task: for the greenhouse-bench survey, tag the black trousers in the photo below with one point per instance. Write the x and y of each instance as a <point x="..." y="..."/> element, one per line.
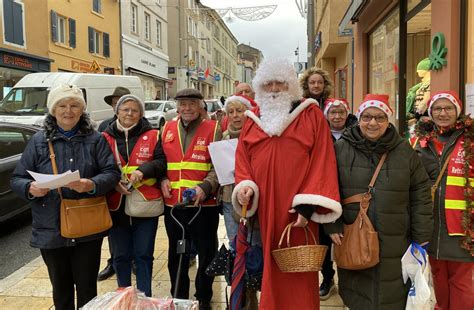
<point x="203" y="234"/>
<point x="68" y="266"/>
<point x="327" y="268"/>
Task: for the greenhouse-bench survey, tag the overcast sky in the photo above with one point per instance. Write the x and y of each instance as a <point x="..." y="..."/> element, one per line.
<point x="278" y="35"/>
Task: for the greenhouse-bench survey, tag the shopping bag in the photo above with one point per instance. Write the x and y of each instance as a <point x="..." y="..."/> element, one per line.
<point x="416" y="267"/>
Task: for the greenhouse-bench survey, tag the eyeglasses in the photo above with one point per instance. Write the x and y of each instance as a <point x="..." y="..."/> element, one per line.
<point x="128" y="111"/>
<point x="448" y="109"/>
<point x="378" y="118"/>
<point x="334" y="113"/>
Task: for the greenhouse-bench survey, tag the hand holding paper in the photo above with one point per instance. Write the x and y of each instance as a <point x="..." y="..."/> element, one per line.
<point x="223" y="158"/>
<point x="53" y="181"/>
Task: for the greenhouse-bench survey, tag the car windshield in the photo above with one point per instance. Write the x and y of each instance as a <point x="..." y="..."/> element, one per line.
<point x="154" y="106"/>
<point x="25" y="101"/>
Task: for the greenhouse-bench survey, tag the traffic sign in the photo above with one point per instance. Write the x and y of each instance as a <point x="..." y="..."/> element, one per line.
<point x="95" y="67"/>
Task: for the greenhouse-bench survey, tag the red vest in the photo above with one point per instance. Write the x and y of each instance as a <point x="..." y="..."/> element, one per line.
<point x="189" y="169"/>
<point x="141" y="153"/>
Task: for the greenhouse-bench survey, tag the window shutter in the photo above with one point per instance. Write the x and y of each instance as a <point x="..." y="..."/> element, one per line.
<point x="54" y="26"/>
<point x="17" y="23"/>
<point x="91" y="39"/>
<point x="72" y="33"/>
<point x="8" y="20"/>
<point x="106" y="44"/>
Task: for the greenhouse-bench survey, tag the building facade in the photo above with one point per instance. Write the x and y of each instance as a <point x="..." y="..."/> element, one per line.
<point x="83" y="36"/>
<point x="249" y="57"/>
<point x="333" y="50"/>
<point x="144" y="28"/>
<point x="23" y="41"/>
<point x="391" y="38"/>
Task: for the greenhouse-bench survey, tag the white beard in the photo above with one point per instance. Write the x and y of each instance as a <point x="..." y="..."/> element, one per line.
<point x="274" y="111"/>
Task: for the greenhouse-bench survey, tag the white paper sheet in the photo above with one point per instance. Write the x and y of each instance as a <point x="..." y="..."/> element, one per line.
<point x="223" y="159"/>
<point x="53" y="181"/>
<point x="470" y="99"/>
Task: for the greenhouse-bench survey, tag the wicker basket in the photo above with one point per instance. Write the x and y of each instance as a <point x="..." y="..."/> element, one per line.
<point x="303" y="258"/>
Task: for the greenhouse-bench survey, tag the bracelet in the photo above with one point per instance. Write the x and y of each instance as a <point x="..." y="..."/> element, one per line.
<point x="93" y="191"/>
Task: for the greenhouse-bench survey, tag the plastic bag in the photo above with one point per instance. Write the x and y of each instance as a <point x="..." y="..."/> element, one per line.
<point x="416" y="267"/>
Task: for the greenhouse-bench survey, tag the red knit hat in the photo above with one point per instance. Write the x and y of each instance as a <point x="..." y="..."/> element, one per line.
<point x="451" y="95"/>
<point x="335" y="102"/>
<point x="375" y="101"/>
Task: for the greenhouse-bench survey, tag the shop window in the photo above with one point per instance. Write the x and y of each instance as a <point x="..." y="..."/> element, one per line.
<point x="97" y="6"/>
<point x="383" y="60"/>
<point x="341" y="83"/>
<point x="13" y="21"/>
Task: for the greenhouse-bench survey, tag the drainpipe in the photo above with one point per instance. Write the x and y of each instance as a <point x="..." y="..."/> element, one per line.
<point x="122" y="72"/>
<point x="310" y="27"/>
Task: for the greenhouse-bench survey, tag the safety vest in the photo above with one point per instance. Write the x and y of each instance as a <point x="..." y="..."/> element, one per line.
<point x="455" y="203"/>
<point x="142" y="152"/>
<point x="187" y="170"/>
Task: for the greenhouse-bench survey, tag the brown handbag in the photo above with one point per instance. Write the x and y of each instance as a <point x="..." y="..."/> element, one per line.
<point x="81" y="217"/>
<point x="360" y="244"/>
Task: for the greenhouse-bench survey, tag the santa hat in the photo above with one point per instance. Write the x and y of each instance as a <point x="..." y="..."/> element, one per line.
<point x="277" y="69"/>
<point x="248" y="102"/>
<point x="335" y="102"/>
<point x="375" y="101"/>
<point x="451" y="95"/>
<point x="61" y="92"/>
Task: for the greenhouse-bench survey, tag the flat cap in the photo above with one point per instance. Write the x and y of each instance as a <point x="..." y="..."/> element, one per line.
<point x="188" y="93"/>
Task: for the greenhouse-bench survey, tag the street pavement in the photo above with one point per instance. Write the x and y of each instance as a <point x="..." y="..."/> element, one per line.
<point x="29" y="286"/>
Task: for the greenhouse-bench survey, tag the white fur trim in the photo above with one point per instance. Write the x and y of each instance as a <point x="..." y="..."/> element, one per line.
<point x="237" y="98"/>
<point x="256" y="194"/>
<point x="310" y="199"/>
<point x="335" y="103"/>
<point x="374" y="104"/>
<point x="300" y="108"/>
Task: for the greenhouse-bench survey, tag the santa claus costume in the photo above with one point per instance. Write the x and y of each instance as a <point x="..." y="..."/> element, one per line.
<point x="285" y="154"/>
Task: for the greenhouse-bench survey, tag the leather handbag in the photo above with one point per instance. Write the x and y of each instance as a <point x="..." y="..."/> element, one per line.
<point x="137" y="206"/>
<point x="360" y="244"/>
<point x="81" y="217"/>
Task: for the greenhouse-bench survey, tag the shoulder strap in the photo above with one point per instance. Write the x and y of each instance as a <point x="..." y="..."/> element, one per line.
<point x="52" y="156"/>
<point x="359" y="197"/>
<point x="440" y="175"/>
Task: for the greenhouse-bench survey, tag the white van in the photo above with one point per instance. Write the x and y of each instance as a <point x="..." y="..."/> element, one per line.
<point x="26" y="101"/>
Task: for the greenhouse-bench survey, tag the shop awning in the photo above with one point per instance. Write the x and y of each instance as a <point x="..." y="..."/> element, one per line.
<point x="156" y="77"/>
<point x="352" y="14"/>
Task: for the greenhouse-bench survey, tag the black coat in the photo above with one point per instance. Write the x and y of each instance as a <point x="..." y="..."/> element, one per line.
<point x="88" y="152"/>
<point x="400" y="211"/>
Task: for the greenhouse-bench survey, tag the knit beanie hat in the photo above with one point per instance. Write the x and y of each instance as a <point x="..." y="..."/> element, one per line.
<point x="375" y="101"/>
<point x="61" y="92"/>
<point x="451" y="95"/>
<point x="131" y="97"/>
<point x="248" y="102"/>
<point x="335" y="102"/>
<point x="424" y="65"/>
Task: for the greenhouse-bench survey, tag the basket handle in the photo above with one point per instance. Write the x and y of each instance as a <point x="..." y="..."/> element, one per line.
<point x="287" y="232"/>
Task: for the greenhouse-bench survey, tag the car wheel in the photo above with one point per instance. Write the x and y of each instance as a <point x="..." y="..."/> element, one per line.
<point x="162" y="123"/>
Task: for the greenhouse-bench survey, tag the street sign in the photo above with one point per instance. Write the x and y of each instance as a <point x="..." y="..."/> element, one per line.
<point x="300" y="66"/>
<point x="192" y="63"/>
<point x="95" y="67"/>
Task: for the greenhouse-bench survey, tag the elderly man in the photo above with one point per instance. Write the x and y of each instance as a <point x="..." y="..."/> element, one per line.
<point x="185" y="143"/>
<point x="245" y="89"/>
<point x="111" y="100"/>
<point x="286" y="168"/>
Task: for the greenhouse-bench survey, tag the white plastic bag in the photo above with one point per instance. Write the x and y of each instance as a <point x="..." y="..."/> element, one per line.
<point x="416" y="267"/>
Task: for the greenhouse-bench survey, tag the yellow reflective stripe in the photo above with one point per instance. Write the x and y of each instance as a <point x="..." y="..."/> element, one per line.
<point x="129" y="169"/>
<point x="457" y="181"/>
<point x="455" y="204"/>
<point x="184" y="183"/>
<point x="148" y="182"/>
<point x="189" y="166"/>
<point x="456" y="234"/>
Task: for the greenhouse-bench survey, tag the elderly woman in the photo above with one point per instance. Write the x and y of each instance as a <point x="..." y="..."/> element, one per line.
<point x="442" y="143"/>
<point x="400" y="209"/>
<point x="70" y="262"/>
<point x="138" y="153"/>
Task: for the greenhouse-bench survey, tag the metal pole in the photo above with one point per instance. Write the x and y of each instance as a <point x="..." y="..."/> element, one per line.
<point x="310" y="33"/>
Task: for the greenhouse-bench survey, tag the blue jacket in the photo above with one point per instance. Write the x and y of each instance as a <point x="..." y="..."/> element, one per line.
<point x="88" y="152"/>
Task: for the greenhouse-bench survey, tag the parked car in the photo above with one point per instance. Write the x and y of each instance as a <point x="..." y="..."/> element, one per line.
<point x="215" y="109"/>
<point x="13" y="140"/>
<point x="159" y="111"/>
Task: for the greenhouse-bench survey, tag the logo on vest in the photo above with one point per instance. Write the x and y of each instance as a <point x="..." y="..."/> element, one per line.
<point x="198" y="157"/>
<point x="201" y="141"/>
<point x="456" y="171"/>
<point x="169" y="136"/>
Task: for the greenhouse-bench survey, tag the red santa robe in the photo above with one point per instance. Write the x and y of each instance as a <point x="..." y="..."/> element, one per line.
<point x="297" y="166"/>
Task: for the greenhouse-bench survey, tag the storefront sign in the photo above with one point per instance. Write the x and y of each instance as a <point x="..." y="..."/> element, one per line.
<point x="80" y="66"/>
<point x="22" y="62"/>
<point x="438" y="52"/>
<point x="151" y="62"/>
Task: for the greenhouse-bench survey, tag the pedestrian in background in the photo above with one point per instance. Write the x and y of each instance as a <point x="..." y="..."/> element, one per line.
<point x="444" y="140"/>
<point x="316" y="84"/>
<point x="72" y="264"/>
<point x="185" y="143"/>
<point x="137" y="150"/>
<point x="111" y="100"/>
<point x="400" y="209"/>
